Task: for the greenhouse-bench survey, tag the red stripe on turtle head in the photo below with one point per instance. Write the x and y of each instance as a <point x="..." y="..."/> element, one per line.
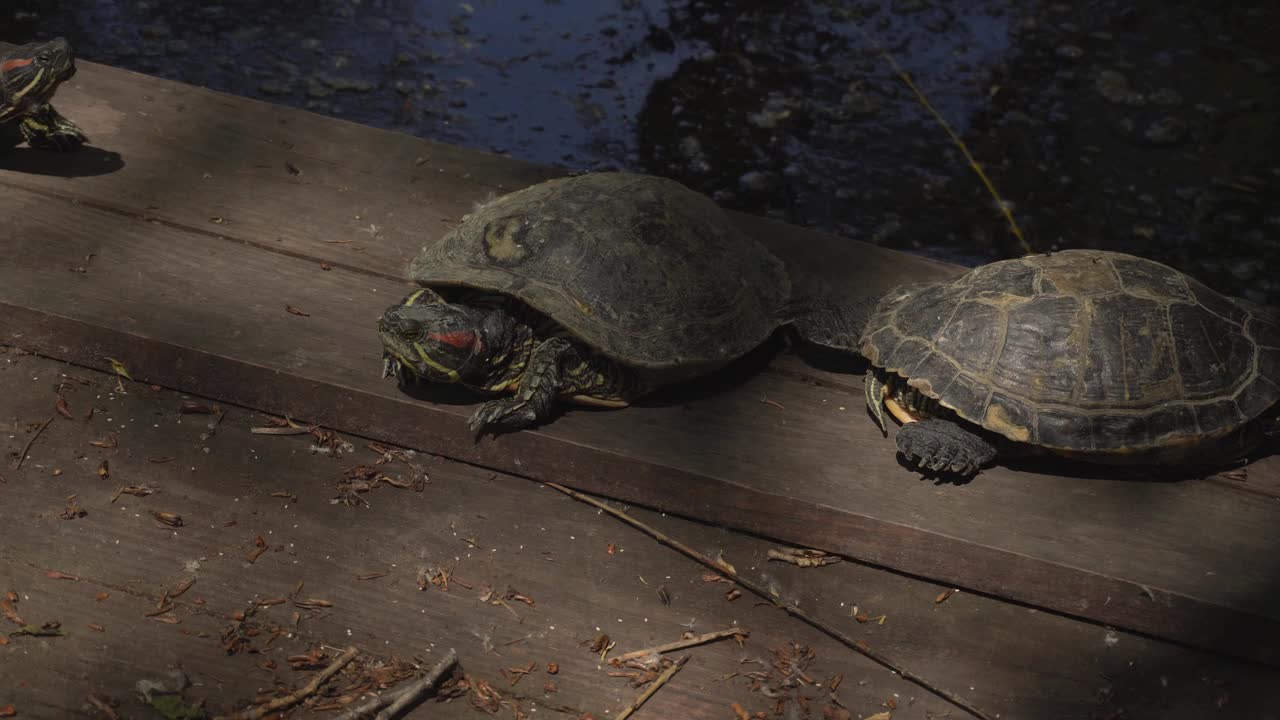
<point x="457" y="338"/>
<point x="15" y="63"/>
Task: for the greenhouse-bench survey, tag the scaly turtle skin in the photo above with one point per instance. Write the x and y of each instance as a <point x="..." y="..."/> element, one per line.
<point x="594" y="289"/>
<point x="29" y="76"/>
<point x="1099" y="356"/>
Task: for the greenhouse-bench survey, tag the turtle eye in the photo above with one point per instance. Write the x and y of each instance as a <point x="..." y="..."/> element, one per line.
<point x="409" y="329"/>
<point x="43" y="58"/>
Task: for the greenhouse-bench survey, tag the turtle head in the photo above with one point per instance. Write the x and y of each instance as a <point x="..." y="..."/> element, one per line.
<point x="432" y="339"/>
<point x="29" y="75"/>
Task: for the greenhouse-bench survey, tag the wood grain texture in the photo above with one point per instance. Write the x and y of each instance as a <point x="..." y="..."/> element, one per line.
<point x="496" y="533"/>
<point x="191" y="303"/>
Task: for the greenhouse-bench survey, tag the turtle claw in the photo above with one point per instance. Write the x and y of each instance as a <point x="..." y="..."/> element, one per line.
<point x="506" y="414"/>
<point x="939" y="445"/>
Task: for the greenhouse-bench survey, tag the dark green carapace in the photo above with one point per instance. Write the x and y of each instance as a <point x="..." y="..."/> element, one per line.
<point x="29" y="76"/>
<point x="1098" y="356"/>
<point x="593" y="289"/>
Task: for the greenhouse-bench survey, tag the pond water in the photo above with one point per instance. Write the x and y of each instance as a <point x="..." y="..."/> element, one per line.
<point x="1146" y="127"/>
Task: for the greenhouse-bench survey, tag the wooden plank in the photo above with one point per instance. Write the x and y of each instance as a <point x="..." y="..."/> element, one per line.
<point x="231" y="486"/>
<point x="169" y="298"/>
<point x="1009" y="660"/>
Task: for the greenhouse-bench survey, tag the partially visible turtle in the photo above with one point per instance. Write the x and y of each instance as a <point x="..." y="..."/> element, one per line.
<point x="594" y="289"/>
<point x="1099" y="356"/>
<point x="29" y="76"/>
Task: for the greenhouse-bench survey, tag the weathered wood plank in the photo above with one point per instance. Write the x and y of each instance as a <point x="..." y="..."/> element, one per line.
<point x="1009" y="660"/>
<point x="231" y="487"/>
<point x="170" y="298"/>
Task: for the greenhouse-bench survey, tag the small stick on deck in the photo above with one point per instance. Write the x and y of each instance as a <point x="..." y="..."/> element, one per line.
<point x="653" y="688"/>
<point x="23" y="455"/>
<point x="259" y="711"/>
<point x="397" y="701"/>
<point x="679" y="644"/>
<point x="793" y="610"/>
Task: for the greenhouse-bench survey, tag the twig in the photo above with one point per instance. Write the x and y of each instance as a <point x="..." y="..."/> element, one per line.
<point x="964" y="149"/>
<point x="258" y="711"/>
<point x="653" y="688"/>
<point x="104" y="707"/>
<point x="679" y="644"/>
<point x="415" y="692"/>
<point x="23" y="455"/>
<point x="396" y="701"/>
<point x="762" y="591"/>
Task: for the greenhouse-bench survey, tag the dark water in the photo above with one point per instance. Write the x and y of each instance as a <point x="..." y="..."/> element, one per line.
<point x="1146" y="127"/>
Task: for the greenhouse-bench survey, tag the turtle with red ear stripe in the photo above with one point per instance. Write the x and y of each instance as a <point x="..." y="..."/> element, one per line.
<point x="595" y="290"/>
<point x="29" y="76"/>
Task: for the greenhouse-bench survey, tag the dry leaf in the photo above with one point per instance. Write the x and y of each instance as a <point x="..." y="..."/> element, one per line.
<point x="96" y="626"/>
<point x="295" y="311"/>
<point x="167" y="518"/>
<point x="880" y="716"/>
<point x="325" y="265"/>
<point x="61" y="406"/>
<point x="942" y="596"/>
<point x="103" y="470"/>
<point x="101" y="596"/>
<point x="107" y="442"/>
<point x="191" y="407"/>
<point x="118" y="368"/>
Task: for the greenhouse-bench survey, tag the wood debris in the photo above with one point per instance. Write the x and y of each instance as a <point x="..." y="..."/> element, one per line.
<point x="801" y="557"/>
<point x="680" y="644"/>
<point x="944" y="595"/>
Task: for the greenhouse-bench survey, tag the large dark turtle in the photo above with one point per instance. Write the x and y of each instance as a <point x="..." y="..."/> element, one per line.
<point x="595" y="289"/>
<point x="1100" y="356"/>
<point x="29" y="76"/>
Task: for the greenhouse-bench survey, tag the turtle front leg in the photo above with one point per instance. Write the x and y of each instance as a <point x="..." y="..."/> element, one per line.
<point x="556" y="368"/>
<point x="44" y="128"/>
<point x="875" y="391"/>
<point x="941" y="445"/>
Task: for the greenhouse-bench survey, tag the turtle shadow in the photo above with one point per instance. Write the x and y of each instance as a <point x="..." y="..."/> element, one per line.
<point x="720" y="382"/>
<point x="88" y="161"/>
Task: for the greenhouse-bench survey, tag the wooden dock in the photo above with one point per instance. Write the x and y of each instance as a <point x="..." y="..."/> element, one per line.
<point x="178" y="244"/>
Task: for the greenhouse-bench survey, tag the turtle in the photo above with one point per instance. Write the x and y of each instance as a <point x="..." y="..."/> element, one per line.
<point x="593" y="289"/>
<point x="29" y="76"/>
<point x="1099" y="356"/>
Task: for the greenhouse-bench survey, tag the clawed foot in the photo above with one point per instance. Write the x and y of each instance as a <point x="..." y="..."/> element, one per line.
<point x="61" y="135"/>
<point x="942" y="446"/>
<point x="507" y="414"/>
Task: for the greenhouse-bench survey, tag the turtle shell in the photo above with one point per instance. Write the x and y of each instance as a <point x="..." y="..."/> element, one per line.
<point x="641" y="268"/>
<point x="1082" y="351"/>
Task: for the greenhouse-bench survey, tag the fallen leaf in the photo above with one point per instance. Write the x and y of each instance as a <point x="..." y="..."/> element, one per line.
<point x="101" y="596"/>
<point x="942" y="596"/>
<point x="167" y="518"/>
<point x="325" y="266"/>
<point x="61" y="406"/>
<point x="8" y="711"/>
<point x="118" y="368"/>
<point x="296" y="311"/>
<point x="107" y="442"/>
<point x="879" y="716"/>
<point x="97" y="627"/>
<point x="57" y="575"/>
<point x="191" y="407"/>
<point x="103" y="470"/>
